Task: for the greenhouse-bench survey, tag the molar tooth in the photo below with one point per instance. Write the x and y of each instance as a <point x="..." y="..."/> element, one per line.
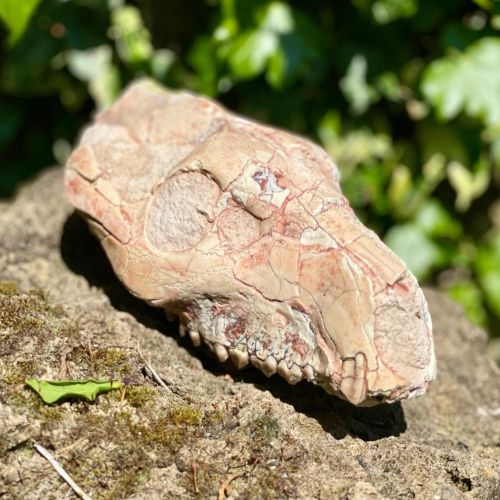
<point x="308" y="372"/>
<point x="239" y="358"/>
<point x="221" y="352"/>
<point x="195" y="338"/>
<point x="269" y="366"/>
<point x="295" y="375"/>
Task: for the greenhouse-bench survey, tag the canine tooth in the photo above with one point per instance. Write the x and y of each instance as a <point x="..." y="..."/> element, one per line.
<point x="295" y="375"/>
<point x="360" y="362"/>
<point x="239" y="358"/>
<point x="348" y="366"/>
<point x="346" y="387"/>
<point x="221" y="352"/>
<point x="354" y="389"/>
<point x="308" y="372"/>
<point x="195" y="338"/>
<point x="358" y="391"/>
<point x="269" y="366"/>
<point x="182" y="330"/>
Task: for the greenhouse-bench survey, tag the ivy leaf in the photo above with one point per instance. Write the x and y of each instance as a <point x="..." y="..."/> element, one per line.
<point x="53" y="391"/>
<point x="16" y="15"/>
<point x="468" y="82"/>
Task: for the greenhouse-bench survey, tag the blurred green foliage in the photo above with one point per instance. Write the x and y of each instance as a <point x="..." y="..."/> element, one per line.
<point x="404" y="95"/>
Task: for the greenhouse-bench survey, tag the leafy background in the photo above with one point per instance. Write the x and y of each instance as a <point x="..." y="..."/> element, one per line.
<point x="404" y="95"/>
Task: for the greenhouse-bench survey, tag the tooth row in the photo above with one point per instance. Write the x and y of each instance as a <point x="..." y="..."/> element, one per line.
<point x="269" y="366"/>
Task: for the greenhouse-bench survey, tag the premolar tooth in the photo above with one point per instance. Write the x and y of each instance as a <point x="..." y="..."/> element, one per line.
<point x="295" y="375"/>
<point x="283" y="369"/>
<point x="239" y="358"/>
<point x="195" y="338"/>
<point x="221" y="352"/>
<point x="269" y="366"/>
<point x="308" y="372"/>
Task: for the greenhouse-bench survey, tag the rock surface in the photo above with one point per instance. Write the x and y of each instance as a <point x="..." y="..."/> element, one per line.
<point x="223" y="433"/>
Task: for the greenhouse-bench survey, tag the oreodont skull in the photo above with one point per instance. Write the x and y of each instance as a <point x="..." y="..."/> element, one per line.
<point x="242" y="231"/>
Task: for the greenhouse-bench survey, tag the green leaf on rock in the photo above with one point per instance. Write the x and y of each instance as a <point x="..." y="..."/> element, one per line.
<point x="53" y="391"/>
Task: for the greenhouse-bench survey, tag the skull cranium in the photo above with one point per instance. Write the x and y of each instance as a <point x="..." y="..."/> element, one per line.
<point x="242" y="231"/>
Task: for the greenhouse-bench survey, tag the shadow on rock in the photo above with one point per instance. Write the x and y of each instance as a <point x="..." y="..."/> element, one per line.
<point x="83" y="255"/>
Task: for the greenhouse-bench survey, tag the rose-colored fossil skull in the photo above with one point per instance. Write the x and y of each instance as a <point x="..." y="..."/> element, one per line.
<point x="242" y="231"/>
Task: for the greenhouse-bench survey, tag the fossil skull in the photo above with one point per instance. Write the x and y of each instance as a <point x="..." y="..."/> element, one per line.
<point x="242" y="231"/>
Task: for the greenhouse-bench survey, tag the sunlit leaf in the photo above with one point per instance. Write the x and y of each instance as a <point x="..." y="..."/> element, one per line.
<point x="277" y="18"/>
<point x="16" y="14"/>
<point x="468" y="185"/>
<point x="488" y="268"/>
<point x="133" y="40"/>
<point x="95" y="67"/>
<point x="88" y="64"/>
<point x="53" y="391"/>
<point x="386" y="11"/>
<point x="400" y="186"/>
<point x="484" y="4"/>
<point x="435" y="221"/>
<point x="468" y="82"/>
<point x="251" y="51"/>
<point x="470" y="297"/>
<point x="355" y="87"/>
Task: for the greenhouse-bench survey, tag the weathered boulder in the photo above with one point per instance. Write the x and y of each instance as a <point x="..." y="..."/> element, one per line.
<point x="221" y="432"/>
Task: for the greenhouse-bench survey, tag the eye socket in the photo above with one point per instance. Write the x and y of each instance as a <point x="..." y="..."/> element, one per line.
<point x="180" y="212"/>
